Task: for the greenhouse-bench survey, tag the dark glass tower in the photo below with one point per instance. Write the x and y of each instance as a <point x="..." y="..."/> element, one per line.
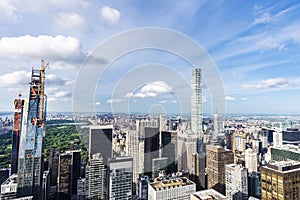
<point x="30" y="164"/>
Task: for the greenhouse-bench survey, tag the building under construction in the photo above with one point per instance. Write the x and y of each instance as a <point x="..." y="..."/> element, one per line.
<point x="32" y="133"/>
<point x="19" y="103"/>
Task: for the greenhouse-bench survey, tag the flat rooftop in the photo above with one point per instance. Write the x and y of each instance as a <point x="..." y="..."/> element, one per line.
<point x="284" y="166"/>
<point x="167" y="184"/>
<point x="209" y="194"/>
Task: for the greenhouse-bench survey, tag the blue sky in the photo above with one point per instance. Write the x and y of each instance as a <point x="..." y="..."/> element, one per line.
<point x="254" y="44"/>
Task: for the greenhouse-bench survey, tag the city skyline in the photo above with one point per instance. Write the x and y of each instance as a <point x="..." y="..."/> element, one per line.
<point x="253" y="44"/>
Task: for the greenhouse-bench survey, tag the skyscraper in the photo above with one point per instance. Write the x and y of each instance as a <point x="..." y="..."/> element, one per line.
<point x="95" y="178"/>
<point x="19" y="103"/>
<point x="236" y="182"/>
<point x="217" y="158"/>
<point x="30" y="163"/>
<point x="100" y="141"/>
<point x="120" y="178"/>
<point x="196" y="106"/>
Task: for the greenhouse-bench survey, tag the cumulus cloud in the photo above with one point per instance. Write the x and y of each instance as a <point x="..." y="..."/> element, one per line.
<point x="152" y="89"/>
<point x="98" y="103"/>
<point x="43" y="46"/>
<point x="228" y="98"/>
<point x="69" y="20"/>
<point x="52" y="79"/>
<point x="56" y="95"/>
<point x="16" y="78"/>
<point x="109" y="14"/>
<point x="272" y="83"/>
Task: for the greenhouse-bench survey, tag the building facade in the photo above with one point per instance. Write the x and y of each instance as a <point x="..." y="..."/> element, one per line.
<point x="217" y="158"/>
<point x="120" y="178"/>
<point x="236" y="182"/>
<point x="280" y="180"/>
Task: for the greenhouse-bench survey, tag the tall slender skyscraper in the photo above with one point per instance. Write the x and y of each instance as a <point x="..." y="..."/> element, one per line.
<point x="196" y="106"/>
<point x="30" y="164"/>
<point x="16" y="134"/>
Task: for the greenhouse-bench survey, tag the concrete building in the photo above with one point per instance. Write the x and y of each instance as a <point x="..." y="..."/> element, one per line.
<point x="96" y="178"/>
<point x="209" y="194"/>
<point x="236" y="182"/>
<point x="120" y="178"/>
<point x="81" y="189"/>
<point x="169" y="150"/>
<point x="186" y="147"/>
<point x="280" y="180"/>
<point x="176" y="189"/>
<point x="217" y="158"/>
<point x="251" y="160"/>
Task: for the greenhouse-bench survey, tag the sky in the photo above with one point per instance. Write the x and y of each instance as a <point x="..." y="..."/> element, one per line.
<point x="255" y="46"/>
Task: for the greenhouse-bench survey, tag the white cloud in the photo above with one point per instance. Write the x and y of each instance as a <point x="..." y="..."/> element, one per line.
<point x="8" y="10"/>
<point x="204" y="99"/>
<point x="266" y="17"/>
<point x="16" y="78"/>
<point x="111" y="15"/>
<point x="56" y="95"/>
<point x="152" y="89"/>
<point x="98" y="103"/>
<point x="269" y="43"/>
<point x="228" y="98"/>
<point x="59" y="65"/>
<point x="174" y="101"/>
<point x="52" y="79"/>
<point x="272" y="83"/>
<point x="43" y="46"/>
<point x="69" y="20"/>
<point x="116" y="100"/>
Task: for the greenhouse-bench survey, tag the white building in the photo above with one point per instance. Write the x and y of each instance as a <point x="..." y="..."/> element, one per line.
<point x="177" y="189"/>
<point x="208" y="195"/>
<point x="236" y="182"/>
<point x="251" y="160"/>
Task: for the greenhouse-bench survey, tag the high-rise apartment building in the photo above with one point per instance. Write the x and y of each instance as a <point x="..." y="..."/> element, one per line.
<point x="173" y="189"/>
<point x="236" y="182"/>
<point x="280" y="180"/>
<point x="120" y="178"/>
<point x="217" y="158"/>
<point x="251" y="160"/>
<point x="196" y="106"/>
<point x="100" y="141"/>
<point x="30" y="163"/>
<point x="96" y="178"/>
